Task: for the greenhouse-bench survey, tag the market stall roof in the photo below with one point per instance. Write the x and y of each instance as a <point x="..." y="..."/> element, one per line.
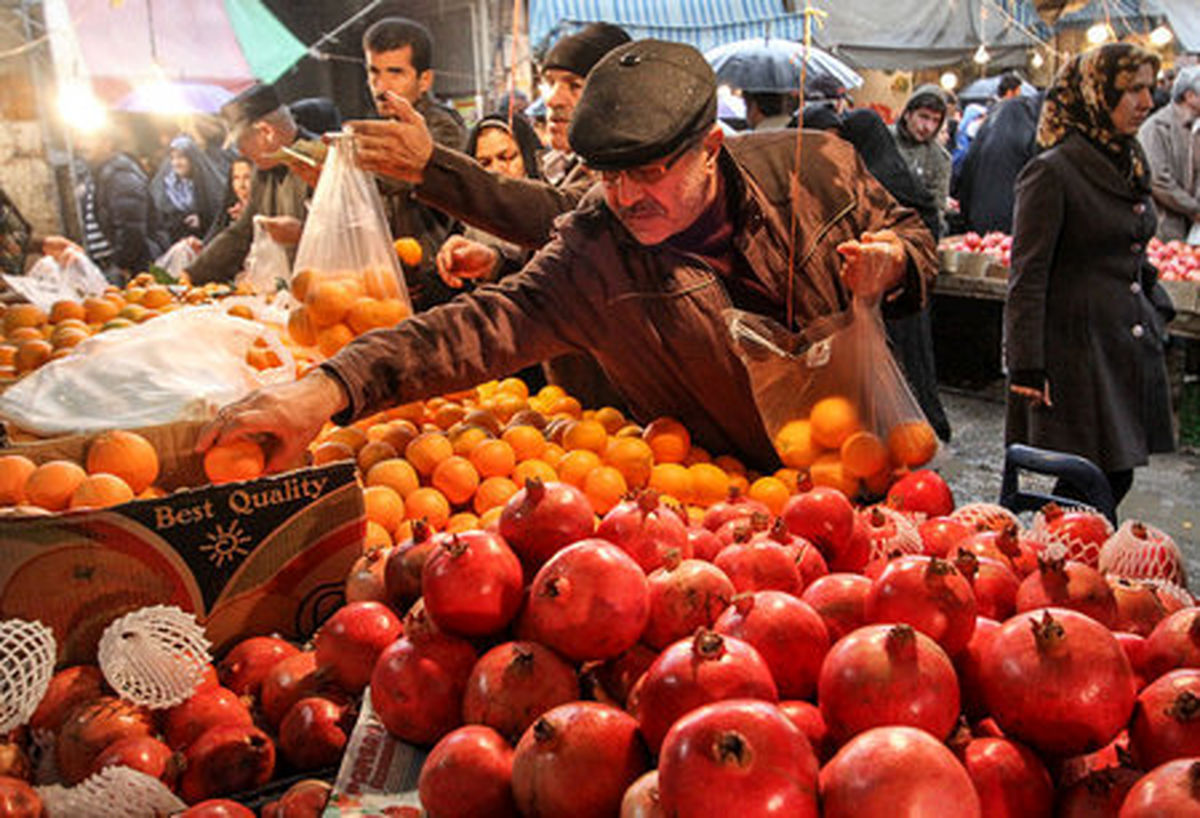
<point x="120" y="46"/>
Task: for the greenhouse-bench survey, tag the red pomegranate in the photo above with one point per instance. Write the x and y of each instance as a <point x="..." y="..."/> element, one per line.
<point x="1010" y="779"/>
<point x="642" y="799"/>
<point x="314" y="732"/>
<point x="759" y="566"/>
<point x="467" y="774"/>
<point x="185" y="722"/>
<point x="1081" y="532"/>
<point x="692" y="672"/>
<point x="897" y="771"/>
<point x="14" y="757"/>
<point x="93" y="726"/>
<point x="304" y="799"/>
<point x="824" y="517"/>
<point x="684" y="595"/>
<point x="618" y="676"/>
<point x="226" y="759"/>
<point x="142" y="753"/>
<point x="736" y="506"/>
<point x="543" y="518"/>
<point x="807" y="556"/>
<point x="405" y="564"/>
<point x="218" y="808"/>
<point x="287" y="682"/>
<point x="18" y="799"/>
<point x="741" y="529"/>
<point x="1083" y="682"/>
<point x="841" y="601"/>
<point x="248" y="662"/>
<point x="993" y="583"/>
<point x="645" y="529"/>
<point x="968" y="665"/>
<point x="514" y="683"/>
<point x="472" y="583"/>
<point x="704" y="543"/>
<point x="929" y="594"/>
<point x="1099" y="794"/>
<point x="1068" y="584"/>
<point x="941" y="535"/>
<point x="589" y="601"/>
<point x="1174" y="643"/>
<point x="922" y="492"/>
<point x="68" y="688"/>
<point x="887" y="674"/>
<point x="577" y="759"/>
<point x="891" y="532"/>
<point x="1135" y="651"/>
<point x="1004" y="544"/>
<point x="1141" y="551"/>
<point x="1139" y="608"/>
<point x="1170" y="790"/>
<point x="789" y="635"/>
<point x="350" y="641"/>
<point x="365" y="581"/>
<point x="807" y="716"/>
<point x="1166" y="720"/>
<point x="1114" y="754"/>
<point x="751" y="759"/>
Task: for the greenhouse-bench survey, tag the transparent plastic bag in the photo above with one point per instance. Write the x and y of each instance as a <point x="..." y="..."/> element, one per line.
<point x="71" y="272"/>
<point x="267" y="267"/>
<point x="346" y="278"/>
<point x="178" y="257"/>
<point x="833" y="399"/>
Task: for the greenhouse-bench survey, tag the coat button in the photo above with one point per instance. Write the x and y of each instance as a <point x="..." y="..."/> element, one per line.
<point x="1135" y="247"/>
<point x="1138" y="330"/>
<point x="1135" y="288"/>
<point x="1139" y="208"/>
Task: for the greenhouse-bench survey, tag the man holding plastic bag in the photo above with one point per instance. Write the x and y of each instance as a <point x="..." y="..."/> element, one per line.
<point x="684" y="226"/>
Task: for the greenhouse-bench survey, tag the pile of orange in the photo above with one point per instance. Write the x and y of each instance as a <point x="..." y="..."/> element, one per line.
<point x="833" y="446"/>
<point x="336" y="307"/>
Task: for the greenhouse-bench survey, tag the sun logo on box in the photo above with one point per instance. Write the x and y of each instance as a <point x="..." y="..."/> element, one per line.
<point x="226" y="543"/>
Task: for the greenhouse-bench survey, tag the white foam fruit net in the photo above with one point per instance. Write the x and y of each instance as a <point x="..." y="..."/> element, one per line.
<point x="114" y="790"/>
<point x="27" y="654"/>
<point x="1140" y="551"/>
<point x="892" y="531"/>
<point x="984" y="516"/>
<point x="1076" y="549"/>
<point x="154" y="656"/>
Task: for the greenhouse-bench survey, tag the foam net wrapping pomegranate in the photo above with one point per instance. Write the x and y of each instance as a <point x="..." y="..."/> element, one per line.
<point x="27" y="652"/>
<point x="985" y="516"/>
<point x="112" y="791"/>
<point x="1078" y="532"/>
<point x="1140" y="551"/>
<point x="891" y="532"/>
<point x="155" y="656"/>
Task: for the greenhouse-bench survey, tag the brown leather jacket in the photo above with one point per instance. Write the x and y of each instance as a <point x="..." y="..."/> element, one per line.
<point x="653" y="317"/>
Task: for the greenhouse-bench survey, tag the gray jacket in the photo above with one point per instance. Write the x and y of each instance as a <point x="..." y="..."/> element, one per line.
<point x="930" y="163"/>
<point x="1171" y="149"/>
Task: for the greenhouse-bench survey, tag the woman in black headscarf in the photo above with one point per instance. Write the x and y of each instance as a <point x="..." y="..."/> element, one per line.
<point x="1085" y="318"/>
<point x="187" y="191"/>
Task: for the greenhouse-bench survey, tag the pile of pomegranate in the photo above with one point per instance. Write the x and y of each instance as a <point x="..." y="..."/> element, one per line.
<point x="1175" y="260"/>
<point x="995" y="244"/>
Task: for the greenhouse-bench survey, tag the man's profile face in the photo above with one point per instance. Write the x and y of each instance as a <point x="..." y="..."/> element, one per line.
<point x="565" y="89"/>
<point x="923" y="123"/>
<point x="392" y="72"/>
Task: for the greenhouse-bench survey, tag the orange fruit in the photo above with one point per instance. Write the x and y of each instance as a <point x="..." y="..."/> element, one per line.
<point x="237" y="311"/>
<point x="300" y="327"/>
<point x="710" y="484"/>
<point x="795" y="444"/>
<point x="513" y="386"/>
<point x="64" y="310"/>
<point x="456" y="478"/>
<point x="697" y="455"/>
<point x="527" y="442"/>
<point x="790" y="478"/>
<point x="574" y="466"/>
<point x="328" y="302"/>
<point x="462" y="521"/>
<point x="376" y="536"/>
<point x="467" y="438"/>
<point x="828" y="471"/>
<point x="493" y="458"/>
<point x="390" y="311"/>
<point x="912" y="443"/>
<point x="493" y="493"/>
<point x="771" y="492"/>
<point x="447" y="415"/>
<point x="301" y="282"/>
<point x="128" y="455"/>
<point x="566" y="405"/>
<point x="352" y="436"/>
<point x="381" y="283"/>
<point x="234" y="461"/>
<point x="409" y="250"/>
<point x="101" y="491"/>
<point x="14" y="472"/>
<point x="333" y="338"/>
<point x="30" y="355"/>
<point x="730" y="464"/>
<point x="490" y="519"/>
<point x="531" y="468"/>
<point x="668" y="439"/>
<point x="383" y="506"/>
<point x="22" y="315"/>
<point x="604" y="487"/>
<point x="427" y="450"/>
<point x="552" y="454"/>
<point x="633" y="458"/>
<point x="376" y="451"/>
<point x="66" y="337"/>
<point x="863" y="454"/>
<point x="8" y="354"/>
<point x="26" y="334"/>
<point x="611" y="419"/>
<point x="738" y="483"/>
<point x="332" y="452"/>
<point x="396" y="474"/>
<point x="99" y="310"/>
<point x="428" y="504"/>
<point x="156" y="296"/>
<point x="672" y="479"/>
<point x="833" y="419"/>
<point x="362" y="315"/>
<point x="877" y="484"/>
<point x="399" y="434"/>
<point x="51" y="484"/>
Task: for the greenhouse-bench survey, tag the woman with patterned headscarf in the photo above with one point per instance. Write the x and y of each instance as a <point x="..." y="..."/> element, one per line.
<point x="1085" y="318"/>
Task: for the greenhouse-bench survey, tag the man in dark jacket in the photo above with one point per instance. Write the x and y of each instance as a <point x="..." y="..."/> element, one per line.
<point x="916" y="132"/>
<point x="684" y="226"/>
<point x="1001" y="149"/>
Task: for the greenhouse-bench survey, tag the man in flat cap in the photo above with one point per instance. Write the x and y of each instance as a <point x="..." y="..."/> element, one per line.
<point x="260" y="125"/>
<point x="684" y="225"/>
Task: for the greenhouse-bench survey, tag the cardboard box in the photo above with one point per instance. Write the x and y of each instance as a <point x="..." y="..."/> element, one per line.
<point x="264" y="556"/>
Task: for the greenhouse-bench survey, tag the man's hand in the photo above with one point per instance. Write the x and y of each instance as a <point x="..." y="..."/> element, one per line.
<point x="461" y="258"/>
<point x="283" y="417"/>
<point x="873" y="265"/>
<point x="309" y="174"/>
<point x="399" y="147"/>
<point x="283" y="229"/>
<point x="60" y="248"/>
<point x="194" y="243"/>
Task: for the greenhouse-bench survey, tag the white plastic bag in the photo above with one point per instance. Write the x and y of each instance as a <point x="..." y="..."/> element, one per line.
<point x="178" y="257"/>
<point x="180" y="366"/>
<point x="74" y="272"/>
<point x="267" y="266"/>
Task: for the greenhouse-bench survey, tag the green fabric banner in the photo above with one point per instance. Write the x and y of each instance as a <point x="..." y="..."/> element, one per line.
<point x="270" y="47"/>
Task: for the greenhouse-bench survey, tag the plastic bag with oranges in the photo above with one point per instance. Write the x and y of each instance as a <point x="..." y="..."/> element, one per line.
<point x="836" y="405"/>
<point x="347" y="279"/>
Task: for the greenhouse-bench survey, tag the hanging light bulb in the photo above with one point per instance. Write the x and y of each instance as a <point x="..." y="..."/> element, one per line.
<point x="79" y="107"/>
<point x="1161" y="36"/>
<point x="1038" y="60"/>
<point x="949" y="80"/>
<point x="981" y="55"/>
<point x="1099" y="33"/>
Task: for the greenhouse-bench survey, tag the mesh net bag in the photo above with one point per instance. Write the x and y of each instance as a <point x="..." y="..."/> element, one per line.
<point x="891" y="532"/>
<point x="1141" y="551"/>
<point x="981" y="516"/>
<point x="155" y="656"/>
<point x="112" y="791"/>
<point x="1081" y="541"/>
<point x="27" y="654"/>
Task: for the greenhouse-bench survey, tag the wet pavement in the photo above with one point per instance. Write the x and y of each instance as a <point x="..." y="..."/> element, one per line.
<point x="1165" y="493"/>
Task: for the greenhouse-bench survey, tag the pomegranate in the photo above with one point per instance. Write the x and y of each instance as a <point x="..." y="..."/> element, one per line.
<point x="142" y="753"/>
<point x="841" y="601"/>
<point x="807" y="556"/>
<point x="542" y="518"/>
<point x="1097" y="795"/>
<point x="247" y="664"/>
<point x="514" y="683"/>
<point x="93" y="726"/>
<point x="618" y="676"/>
<point x="365" y="581"/>
<point x="1083" y="682"/>
<point x="68" y="688"/>
<point x="287" y="682"/>
<point x="1141" y="551"/>
<point x="807" y="716"/>
<point x="314" y="732"/>
<point x="226" y="759"/>
<point x="1166" y="720"/>
<point x="1114" y="754"/>
<point x="467" y="774"/>
<point x="589" y="601"/>
<point x="824" y="517"/>
<point x="350" y="641"/>
<point x="736" y="506"/>
<point x="759" y="566"/>
<point x="941" y="535"/>
<point x="1135" y="651"/>
<point x="18" y="799"/>
<point x="741" y="529"/>
<point x="968" y="666"/>
<point x="684" y="595"/>
<point x="1068" y="584"/>
<point x="217" y="808"/>
<point x="577" y="759"/>
<point x="304" y="799"/>
<point x="706" y="668"/>
<point x="929" y="594"/>
<point x="642" y="800"/>
<point x="887" y="674"/>
<point x="704" y="543"/>
<point x="14" y="759"/>
<point x="645" y="529"/>
<point x="1138" y="607"/>
<point x="993" y="583"/>
<point x="897" y="771"/>
<point x="751" y="759"/>
<point x="1172" y="789"/>
<point x="405" y="565"/>
<point x="1011" y="781"/>
<point x="472" y="583"/>
<point x="1174" y="643"/>
<point x="1081" y="532"/>
<point x="890" y="532"/>
<point x="922" y="492"/>
<point x="789" y="635"/>
<point x="185" y="722"/>
<point x="418" y="682"/>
